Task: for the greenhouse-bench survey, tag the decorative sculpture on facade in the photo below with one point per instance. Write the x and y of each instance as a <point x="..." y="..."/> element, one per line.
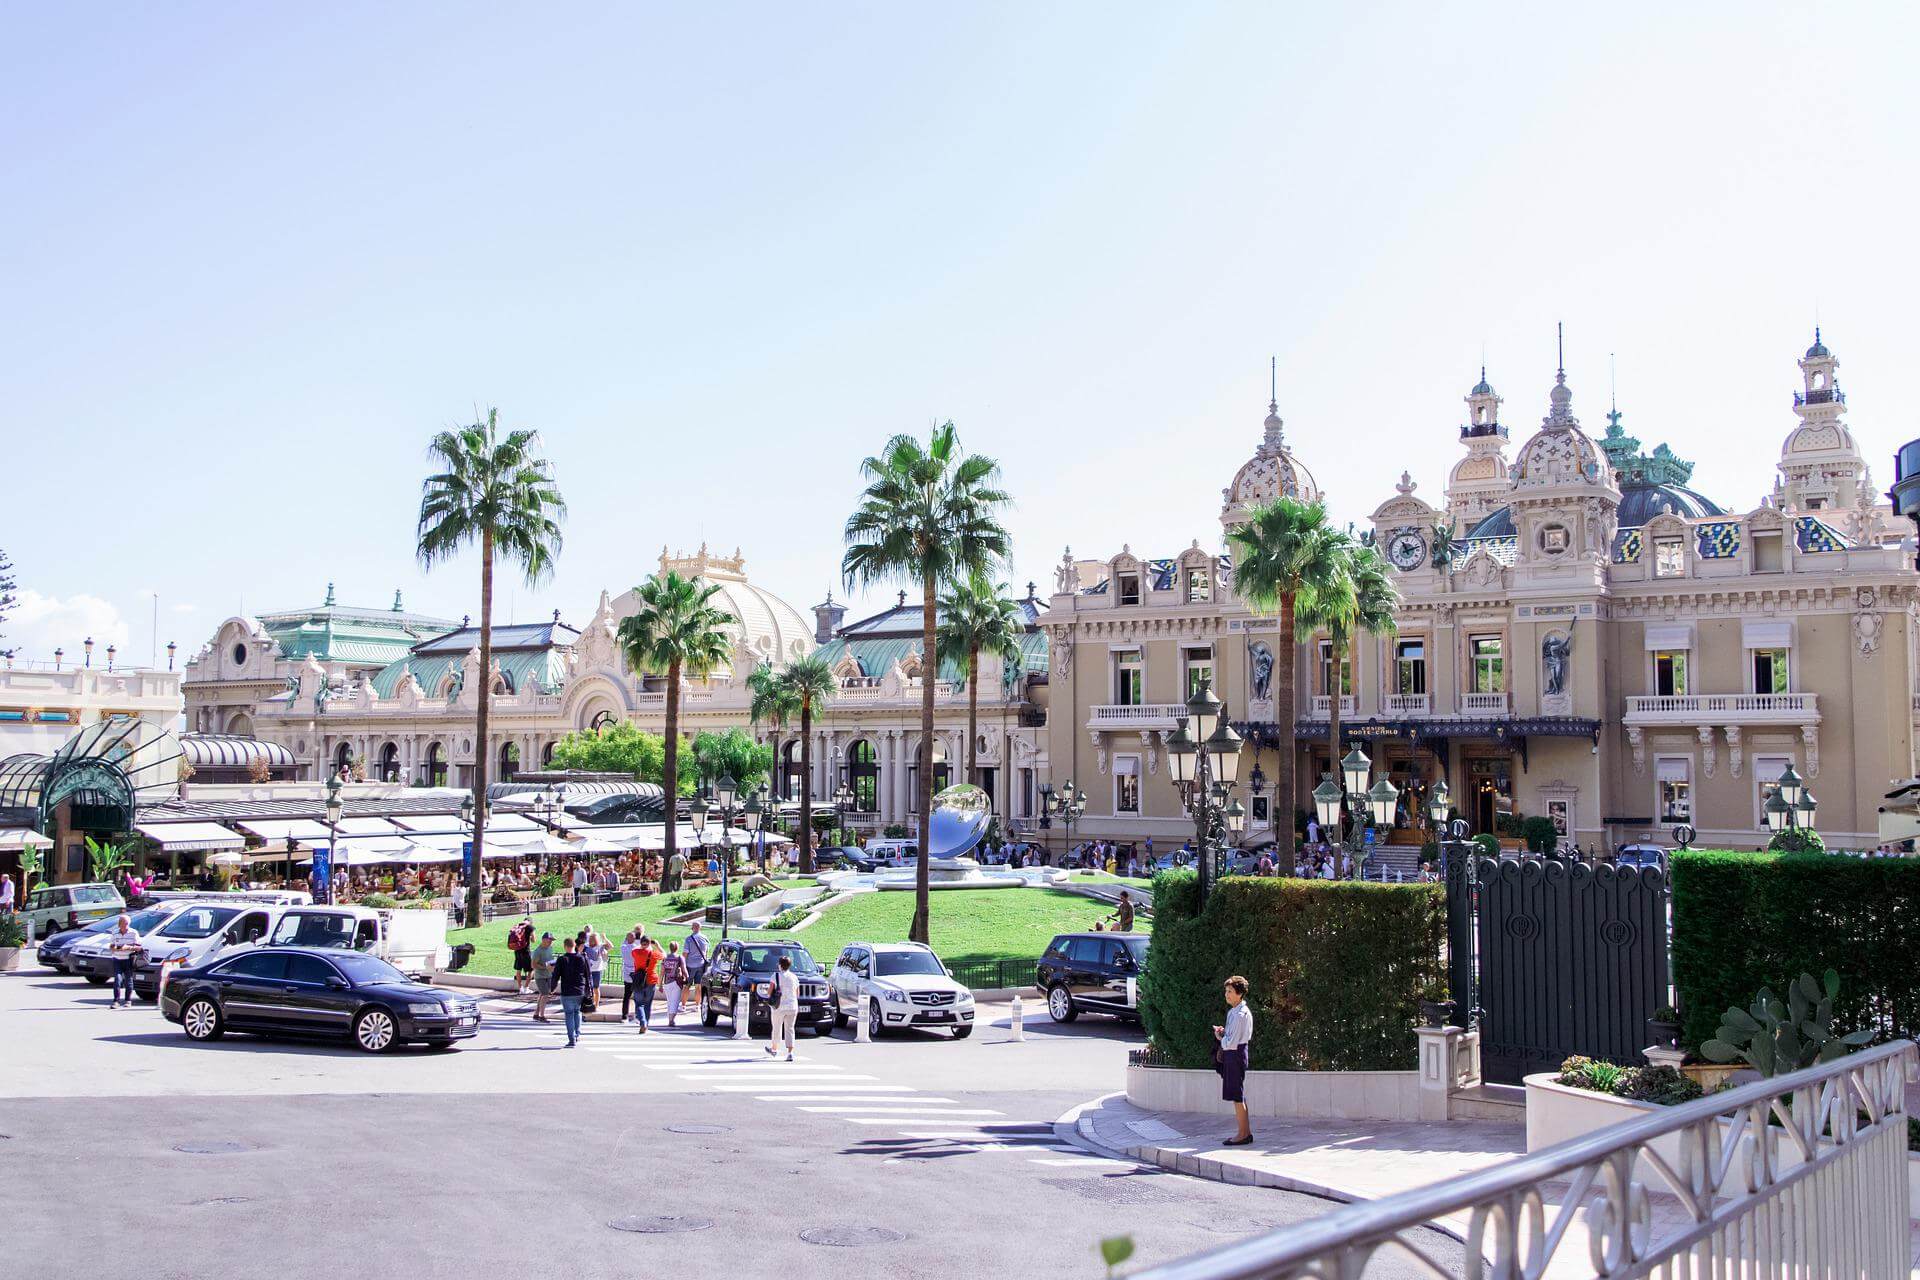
<point x="1260" y="661"/>
<point x="1556" y="649"/>
<point x="1443" y="546"/>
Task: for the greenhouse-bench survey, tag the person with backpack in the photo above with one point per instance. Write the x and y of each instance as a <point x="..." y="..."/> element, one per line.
<point x="673" y="971"/>
<point x="646" y="979"/>
<point x="520" y="942"/>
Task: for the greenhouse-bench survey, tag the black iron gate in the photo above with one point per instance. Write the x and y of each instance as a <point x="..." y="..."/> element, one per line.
<point x="1572" y="959"/>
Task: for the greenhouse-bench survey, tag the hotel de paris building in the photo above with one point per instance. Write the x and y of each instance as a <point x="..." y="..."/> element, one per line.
<point x="1584" y="635"/>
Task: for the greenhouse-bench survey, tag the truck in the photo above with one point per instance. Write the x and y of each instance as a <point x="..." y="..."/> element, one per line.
<point x="412" y="941"/>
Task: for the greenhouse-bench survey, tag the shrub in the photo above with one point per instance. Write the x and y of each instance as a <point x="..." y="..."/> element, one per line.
<point x="1430" y="853"/>
<point x="1508" y="824"/>
<point x="788" y="919"/>
<point x="1337" y="969"/>
<point x="1663" y="1086"/>
<point x="1743" y="921"/>
<point x="380" y="901"/>
<point x="686" y="899"/>
<point x="1798" y="840"/>
<point x="1489" y="845"/>
<point x="1590" y="1074"/>
<point x="758" y="890"/>
<point x="12" y="932"/>
<point x="896" y="831"/>
<point x="1540" y="835"/>
<point x="549" y="885"/>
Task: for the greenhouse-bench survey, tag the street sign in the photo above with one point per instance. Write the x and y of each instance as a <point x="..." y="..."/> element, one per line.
<point x="323" y="873"/>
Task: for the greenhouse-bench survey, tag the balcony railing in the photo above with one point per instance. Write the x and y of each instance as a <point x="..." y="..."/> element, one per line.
<point x="1323" y="705"/>
<point x="1826" y="395"/>
<point x="1139" y="715"/>
<point x="1729" y="708"/>
<point x="1704" y="1188"/>
<point x="1481" y="704"/>
<point x="1409" y="704"/>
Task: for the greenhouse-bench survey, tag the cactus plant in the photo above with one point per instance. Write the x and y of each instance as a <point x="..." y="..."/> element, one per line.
<point x="1775" y="1038"/>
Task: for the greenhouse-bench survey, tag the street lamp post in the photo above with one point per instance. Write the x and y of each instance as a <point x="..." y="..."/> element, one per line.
<point x="1361" y="802"/>
<point x="334" y="808"/>
<point x="1791" y="807"/>
<point x="725" y="791"/>
<point x="1067" y="804"/>
<point x="1204" y="753"/>
<point x="469" y="867"/>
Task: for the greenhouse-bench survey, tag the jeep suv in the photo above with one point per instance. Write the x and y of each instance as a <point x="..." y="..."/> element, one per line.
<point x="907" y="986"/>
<point x="1088" y="972"/>
<point x="750" y="966"/>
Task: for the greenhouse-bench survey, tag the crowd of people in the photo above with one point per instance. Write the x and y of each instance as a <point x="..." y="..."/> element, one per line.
<point x="574" y="971"/>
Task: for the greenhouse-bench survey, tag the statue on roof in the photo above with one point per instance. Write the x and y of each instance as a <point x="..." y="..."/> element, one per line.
<point x="1066" y="578"/>
<point x="1443" y="546"/>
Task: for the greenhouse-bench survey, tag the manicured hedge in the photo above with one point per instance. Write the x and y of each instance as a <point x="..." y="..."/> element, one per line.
<point x="1337" y="969"/>
<point x="1742" y="921"/>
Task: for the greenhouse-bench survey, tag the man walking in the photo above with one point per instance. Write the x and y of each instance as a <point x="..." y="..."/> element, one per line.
<point x="520" y="942"/>
<point x="646" y="979"/>
<point x="570" y="971"/>
<point x="123" y="944"/>
<point x="628" y="972"/>
<point x="579" y="883"/>
<point x="784" y="992"/>
<point x="543" y="976"/>
<point x="696" y="953"/>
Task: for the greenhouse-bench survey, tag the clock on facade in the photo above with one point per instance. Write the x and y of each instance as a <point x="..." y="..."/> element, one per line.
<point x="1406" y="549"/>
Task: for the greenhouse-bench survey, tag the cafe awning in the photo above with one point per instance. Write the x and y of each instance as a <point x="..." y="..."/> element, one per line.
<point x="14" y="839"/>
<point x="191" y="837"/>
<point x="301" y="829"/>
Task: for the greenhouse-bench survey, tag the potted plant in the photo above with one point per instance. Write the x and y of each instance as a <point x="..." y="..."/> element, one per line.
<point x="13" y="940"/>
<point x="1664" y="1027"/>
<point x="1436" y="1013"/>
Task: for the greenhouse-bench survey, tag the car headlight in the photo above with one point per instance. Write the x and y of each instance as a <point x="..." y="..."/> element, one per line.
<point x="432" y="1008"/>
<point x="763" y="989"/>
<point x="889" y="993"/>
<point x="966" y="997"/>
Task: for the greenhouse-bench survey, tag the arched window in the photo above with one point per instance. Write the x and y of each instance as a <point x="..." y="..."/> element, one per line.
<point x="601" y="719"/>
<point x="546" y="756"/>
<point x="509" y="760"/>
<point x="791" y="778"/>
<point x="390" y="763"/>
<point x="863" y="777"/>
<point x="437" y="765"/>
<point x="342" y="756"/>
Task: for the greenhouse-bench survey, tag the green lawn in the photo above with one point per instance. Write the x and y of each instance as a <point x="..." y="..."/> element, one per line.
<point x="968" y="924"/>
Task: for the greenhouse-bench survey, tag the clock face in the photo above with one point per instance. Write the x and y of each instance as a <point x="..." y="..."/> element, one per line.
<point x="1407" y="549"/>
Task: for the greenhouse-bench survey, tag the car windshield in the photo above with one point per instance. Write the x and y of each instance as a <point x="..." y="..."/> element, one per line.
<point x="769" y="957"/>
<point x="364" y="970"/>
<point x="141" y="921"/>
<point x="198" y="922"/>
<point x="888" y="964"/>
<point x="1137" y="948"/>
<point x="315" y="929"/>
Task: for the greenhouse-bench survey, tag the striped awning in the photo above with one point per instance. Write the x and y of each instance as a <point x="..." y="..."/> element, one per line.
<point x="191" y="837"/>
<point x="230" y="751"/>
<point x="302" y="829"/>
<point x="14" y="839"/>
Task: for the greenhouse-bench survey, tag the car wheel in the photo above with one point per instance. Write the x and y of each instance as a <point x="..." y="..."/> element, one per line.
<point x="876" y="1025"/>
<point x="94" y="981"/>
<point x="839" y="1018"/>
<point x="1060" y="1006"/>
<point x="146" y="998"/>
<point x="201" y="1020"/>
<point x="961" y="1033"/>
<point x="708" y="1018"/>
<point x="374" y="1032"/>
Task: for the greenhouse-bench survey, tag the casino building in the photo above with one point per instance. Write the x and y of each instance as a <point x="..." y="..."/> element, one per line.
<point x="1584" y="635"/>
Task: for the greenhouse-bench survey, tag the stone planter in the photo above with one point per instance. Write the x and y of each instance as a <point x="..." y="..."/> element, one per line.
<point x="1299" y="1095"/>
<point x="1665" y="1035"/>
<point x="10" y="959"/>
<point x="1437" y="1013"/>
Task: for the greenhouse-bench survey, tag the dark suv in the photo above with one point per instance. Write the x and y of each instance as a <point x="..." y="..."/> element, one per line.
<point x="750" y="966"/>
<point x="1088" y="972"/>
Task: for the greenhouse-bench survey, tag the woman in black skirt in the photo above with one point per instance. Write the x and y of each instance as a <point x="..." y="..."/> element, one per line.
<point x="1235" y="1038"/>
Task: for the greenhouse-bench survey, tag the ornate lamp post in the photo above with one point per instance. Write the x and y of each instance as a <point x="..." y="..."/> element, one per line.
<point x="1380" y="801"/>
<point x="467" y="866"/>
<point x="1791" y="807"/>
<point x="333" y="810"/>
<point x="725" y="792"/>
<point x="1204" y="754"/>
<point x="1067" y="804"/>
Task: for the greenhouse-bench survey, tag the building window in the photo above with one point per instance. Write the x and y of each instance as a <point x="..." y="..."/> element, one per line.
<point x="1766" y="777"/>
<point x="1199" y="585"/>
<point x="1670" y="673"/>
<point x="1489" y="664"/>
<point x="1769" y="670"/>
<point x="1326" y="670"/>
<point x="1669" y="557"/>
<point x="1129" y="588"/>
<point x="1129" y="679"/>
<point x="1674" y="799"/>
<point x="1766" y="553"/>
<point x="1411" y="664"/>
<point x="863" y="777"/>
<point x="1199" y="668"/>
<point x="1126" y="784"/>
<point x="1814" y="504"/>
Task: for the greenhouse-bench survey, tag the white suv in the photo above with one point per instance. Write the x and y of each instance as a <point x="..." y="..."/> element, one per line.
<point x="907" y="986"/>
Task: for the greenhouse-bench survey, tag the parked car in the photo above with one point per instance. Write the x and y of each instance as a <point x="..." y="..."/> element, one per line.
<point x="750" y="966"/>
<point x="893" y="853"/>
<point x="845" y="856"/>
<point x="198" y="934"/>
<point x="92" y="957"/>
<point x="412" y="941"/>
<point x="907" y="986"/>
<point x="1088" y="972"/>
<point x="306" y="991"/>
<point x="52" y="908"/>
<point x="53" y="950"/>
<point x="1640" y="855"/>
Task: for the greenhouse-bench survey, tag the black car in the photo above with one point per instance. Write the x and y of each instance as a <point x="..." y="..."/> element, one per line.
<point x="53" y="950"/>
<point x="750" y="966"/>
<point x="845" y="856"/>
<point x="1088" y="972"/>
<point x="307" y="991"/>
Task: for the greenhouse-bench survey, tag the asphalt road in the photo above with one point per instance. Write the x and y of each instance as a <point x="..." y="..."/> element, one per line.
<point x="684" y="1154"/>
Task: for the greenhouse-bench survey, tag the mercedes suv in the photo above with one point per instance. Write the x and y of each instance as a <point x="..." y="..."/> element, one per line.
<point x="906" y="986"/>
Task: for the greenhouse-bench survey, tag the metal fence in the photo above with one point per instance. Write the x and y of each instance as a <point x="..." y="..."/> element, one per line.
<point x="991" y="975"/>
<point x="1801" y="1175"/>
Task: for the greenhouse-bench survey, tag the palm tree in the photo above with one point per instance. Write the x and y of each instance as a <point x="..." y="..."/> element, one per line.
<point x="1284" y="548"/>
<point x="976" y="617"/>
<point x="1360" y="598"/>
<point x="804" y="684"/>
<point x="496" y="490"/>
<point x="676" y="629"/>
<point x="929" y="516"/>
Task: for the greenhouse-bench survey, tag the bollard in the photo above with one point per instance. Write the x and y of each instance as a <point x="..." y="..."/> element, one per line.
<point x="742" y="1014"/>
<point x="1018" y="1022"/>
<point x="1133" y="992"/>
<point x="861" y="1033"/>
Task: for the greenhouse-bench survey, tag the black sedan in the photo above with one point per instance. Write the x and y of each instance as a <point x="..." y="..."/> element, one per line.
<point x="307" y="991"/>
<point x="53" y="949"/>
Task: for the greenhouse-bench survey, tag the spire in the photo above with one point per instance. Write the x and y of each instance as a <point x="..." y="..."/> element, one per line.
<point x="1275" y="437"/>
<point x="1560" y="410"/>
<point x="1560" y="344"/>
<point x="329" y="600"/>
<point x="396" y="600"/>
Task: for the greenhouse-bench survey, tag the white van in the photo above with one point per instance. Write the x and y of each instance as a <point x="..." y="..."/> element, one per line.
<point x="197" y="934"/>
<point x="894" y="853"/>
<point x="412" y="941"/>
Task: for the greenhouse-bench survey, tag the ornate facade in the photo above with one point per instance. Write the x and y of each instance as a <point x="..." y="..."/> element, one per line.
<point x="1582" y="637"/>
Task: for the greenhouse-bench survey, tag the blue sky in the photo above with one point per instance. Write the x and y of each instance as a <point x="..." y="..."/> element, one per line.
<point x="253" y="256"/>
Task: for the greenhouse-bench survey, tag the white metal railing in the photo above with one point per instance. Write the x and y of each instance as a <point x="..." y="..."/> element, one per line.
<point x="1137" y="715"/>
<point x="1720" y="1191"/>
<point x="1725" y="706"/>
<point x="1409" y="704"/>
<point x="1484" y="702"/>
<point x="1323" y="705"/>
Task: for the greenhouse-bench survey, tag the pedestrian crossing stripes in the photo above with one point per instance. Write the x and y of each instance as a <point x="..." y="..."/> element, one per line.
<point x="888" y="1112"/>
